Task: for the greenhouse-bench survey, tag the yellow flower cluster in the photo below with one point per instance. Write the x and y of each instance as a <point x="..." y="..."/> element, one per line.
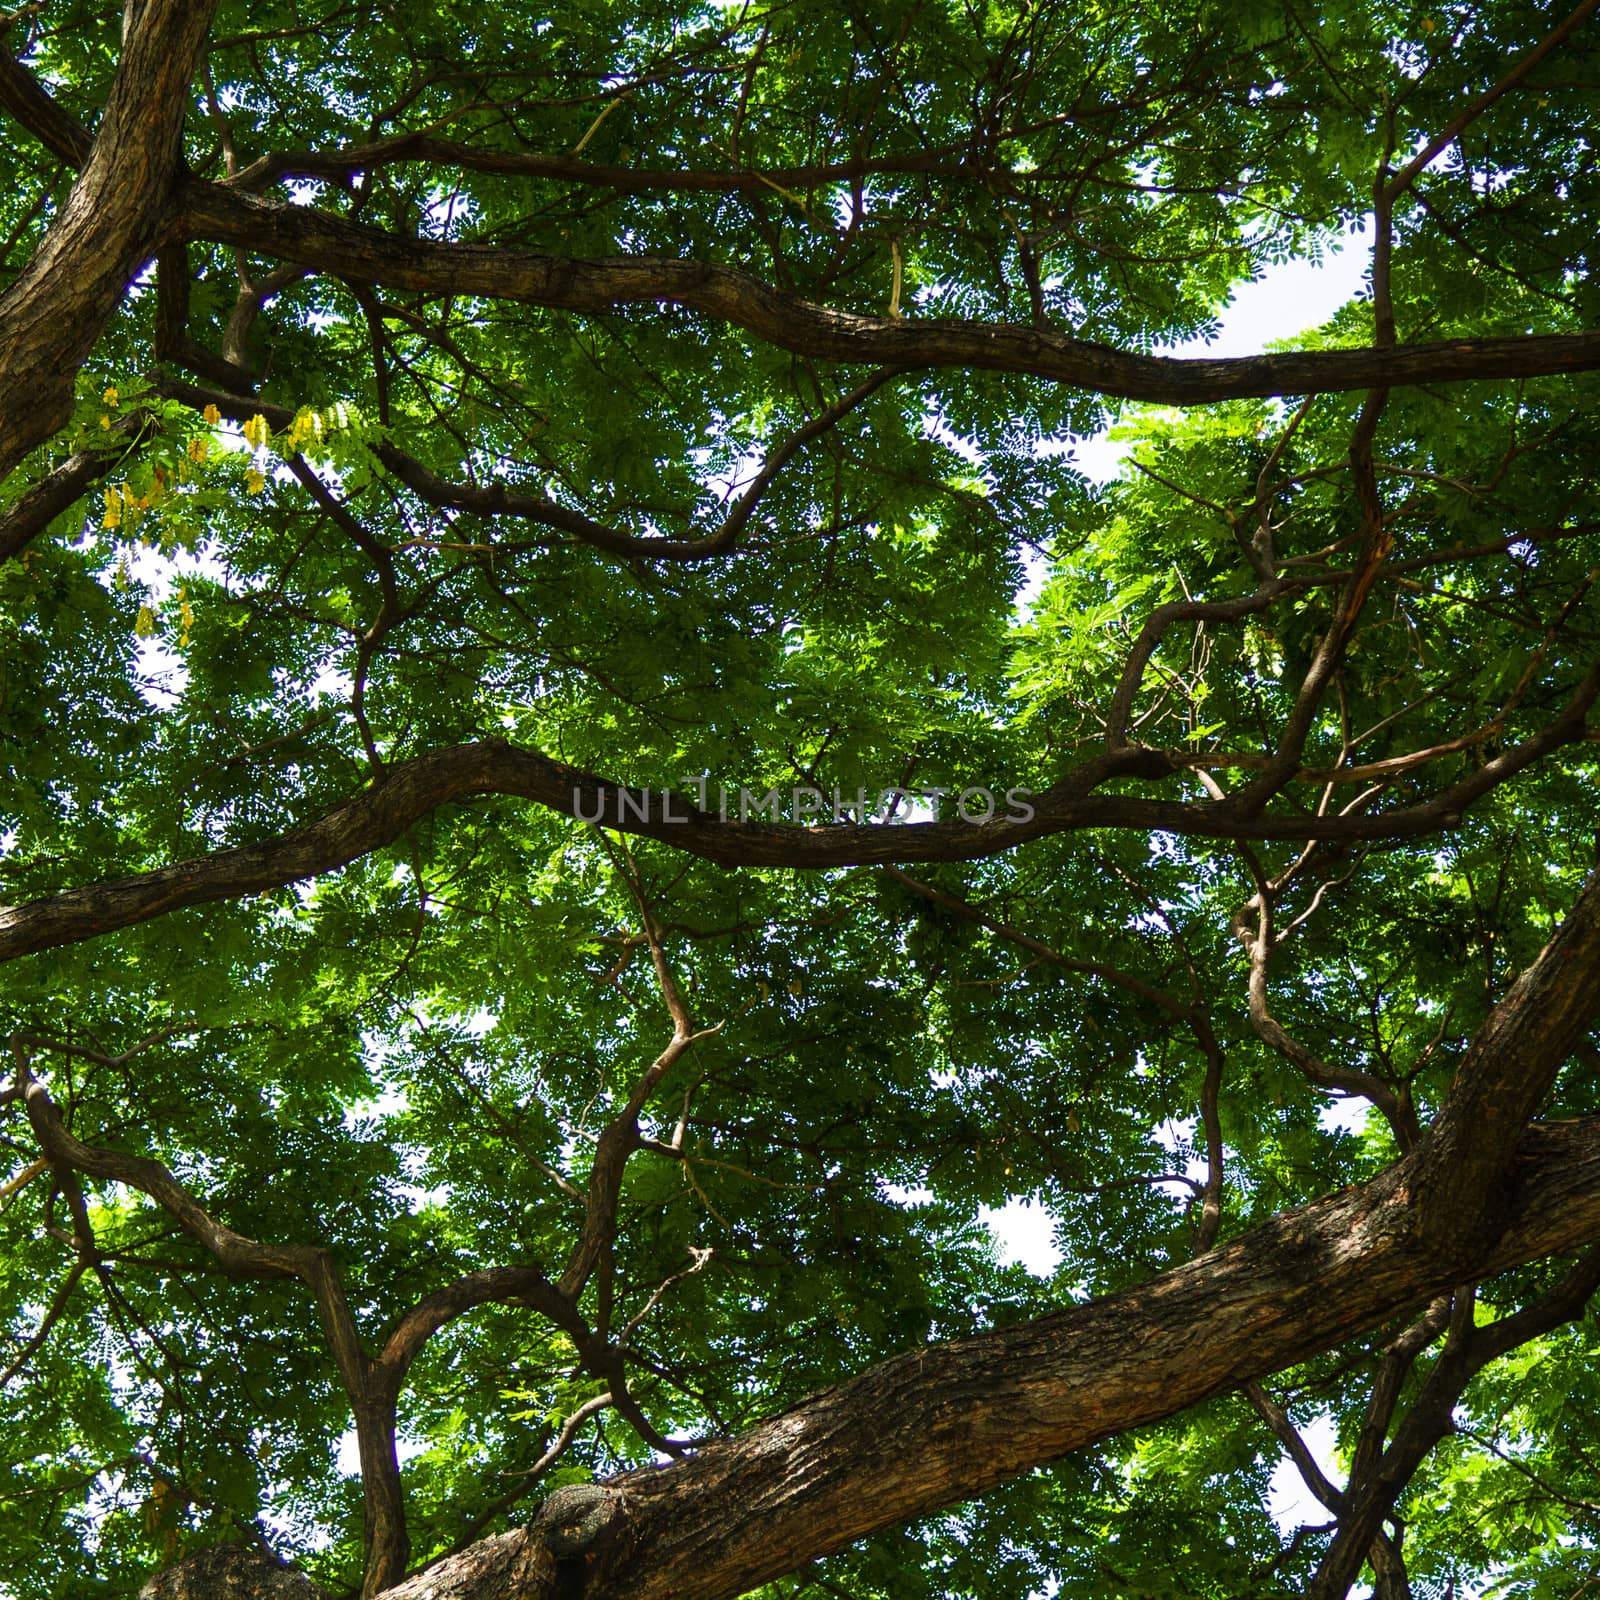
<point x="257" y="431"/>
<point x="144" y="625"/>
<point x="122" y="502"/>
<point x="306" y="427"/>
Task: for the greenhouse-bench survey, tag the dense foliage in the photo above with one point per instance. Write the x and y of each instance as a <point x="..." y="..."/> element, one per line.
<point x="489" y="408"/>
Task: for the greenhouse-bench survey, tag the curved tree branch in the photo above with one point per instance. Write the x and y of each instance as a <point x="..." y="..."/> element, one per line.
<point x="330" y="244"/>
<point x="408" y="790"/>
<point x="52" y="314"/>
<point x="497" y="500"/>
<point x="943" y="1423"/>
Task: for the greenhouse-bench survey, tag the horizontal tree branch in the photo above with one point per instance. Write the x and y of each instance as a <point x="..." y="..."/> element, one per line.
<point x="346" y="161"/>
<point x="330" y="244"/>
<point x="408" y="790"/>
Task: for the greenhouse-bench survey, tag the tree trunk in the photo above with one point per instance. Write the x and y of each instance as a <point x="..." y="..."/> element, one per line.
<point x="52" y="315"/>
<point x="938" y="1425"/>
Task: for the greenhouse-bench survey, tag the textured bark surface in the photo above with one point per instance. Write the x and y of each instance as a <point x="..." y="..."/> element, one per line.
<point x="52" y="315"/>
<point x="230" y="1572"/>
<point x="941" y="1424"/>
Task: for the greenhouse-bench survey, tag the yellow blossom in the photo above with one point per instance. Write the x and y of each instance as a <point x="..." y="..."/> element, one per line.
<point x="256" y="431"/>
<point x="254" y="481"/>
<point x="307" y="425"/>
<point x="198" y="448"/>
<point x="105" y="421"/>
<point x="113" y="516"/>
<point x="145" y="623"/>
<point x="110" y="397"/>
<point x="212" y="415"/>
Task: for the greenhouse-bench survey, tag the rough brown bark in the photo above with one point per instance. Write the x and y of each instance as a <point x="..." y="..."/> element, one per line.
<point x="943" y="1423"/>
<point x="938" y="1425"/>
<point x="23" y="98"/>
<point x="52" y="315"/>
<point x="1505" y="1076"/>
<point x="230" y="1572"/>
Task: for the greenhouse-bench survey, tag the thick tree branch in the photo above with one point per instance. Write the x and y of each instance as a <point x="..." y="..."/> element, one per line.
<point x="408" y="790"/>
<point x="345" y="162"/>
<point x="490" y="1286"/>
<point x="1505" y="1075"/>
<point x="940" y="1424"/>
<point x="330" y="244"/>
<point x="232" y="1250"/>
<point x="52" y="314"/>
<point x="24" y="98"/>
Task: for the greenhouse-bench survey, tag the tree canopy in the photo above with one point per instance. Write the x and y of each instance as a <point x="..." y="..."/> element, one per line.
<point x="588" y="781"/>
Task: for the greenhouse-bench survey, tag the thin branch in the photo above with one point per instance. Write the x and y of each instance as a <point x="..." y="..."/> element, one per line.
<point x="1543" y="1485"/>
<point x="1480" y="103"/>
<point x="1299" y="1452"/>
<point x="531" y="1475"/>
<point x="52" y="1315"/>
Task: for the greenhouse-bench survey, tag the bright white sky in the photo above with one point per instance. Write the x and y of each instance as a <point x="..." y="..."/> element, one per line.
<point x="1289" y="300"/>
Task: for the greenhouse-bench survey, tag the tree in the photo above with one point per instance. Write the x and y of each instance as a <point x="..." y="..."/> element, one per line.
<point x="551" y="877"/>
